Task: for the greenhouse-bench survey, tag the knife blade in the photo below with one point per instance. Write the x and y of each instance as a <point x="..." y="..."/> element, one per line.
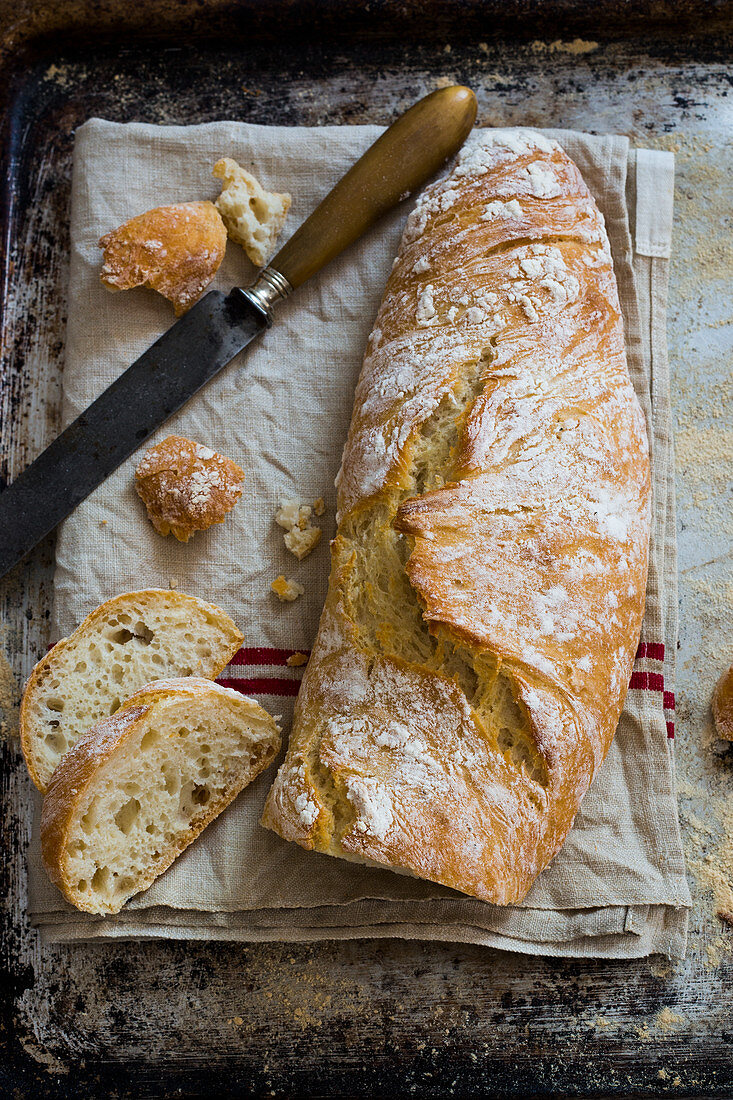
<point x="220" y="325"/>
<point x="157" y="384"/>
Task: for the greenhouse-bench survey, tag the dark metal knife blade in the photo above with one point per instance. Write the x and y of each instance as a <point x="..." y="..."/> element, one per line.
<point x="214" y="330"/>
<point x="185" y="357"/>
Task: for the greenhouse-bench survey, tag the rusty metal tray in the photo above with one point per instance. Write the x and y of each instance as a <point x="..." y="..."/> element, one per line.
<point x="378" y="1017"/>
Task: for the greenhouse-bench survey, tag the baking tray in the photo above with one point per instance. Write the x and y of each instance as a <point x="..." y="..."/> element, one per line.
<point x="344" y="1019"/>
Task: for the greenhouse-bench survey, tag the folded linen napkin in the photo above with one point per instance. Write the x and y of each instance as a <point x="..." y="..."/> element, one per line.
<point x="617" y="888"/>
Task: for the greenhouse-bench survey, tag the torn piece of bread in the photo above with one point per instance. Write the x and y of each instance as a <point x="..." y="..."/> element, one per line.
<point x="142" y="784"/>
<point x="300" y="536"/>
<point x="285" y="590"/>
<point x="253" y="216"/>
<point x="186" y="487"/>
<point x="130" y="640"/>
<point x="175" y="250"/>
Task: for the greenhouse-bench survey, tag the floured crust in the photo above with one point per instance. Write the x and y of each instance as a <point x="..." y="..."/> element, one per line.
<point x="175" y="250"/>
<point x="489" y="571"/>
<point x="186" y="487"/>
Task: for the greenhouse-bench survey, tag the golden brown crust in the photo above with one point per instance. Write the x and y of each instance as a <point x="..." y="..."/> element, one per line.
<point x="489" y="571"/>
<point x="89" y="624"/>
<point x="80" y="769"/>
<point x="186" y="487"/>
<point x="175" y="250"/>
<point x="723" y="705"/>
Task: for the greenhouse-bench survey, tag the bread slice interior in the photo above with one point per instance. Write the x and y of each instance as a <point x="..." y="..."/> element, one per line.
<point x="141" y="785"/>
<point x="126" y="643"/>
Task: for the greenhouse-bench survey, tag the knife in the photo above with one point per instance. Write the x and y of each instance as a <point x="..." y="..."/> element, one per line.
<point x="220" y="325"/>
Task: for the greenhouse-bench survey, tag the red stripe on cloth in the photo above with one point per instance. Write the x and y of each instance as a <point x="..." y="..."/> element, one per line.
<point x="262" y="685"/>
<point x="669" y="700"/>
<point x="639" y="680"/>
<point x="653" y="650"/>
<point x="656" y="681"/>
<point x="262" y="655"/>
<point x="670" y="731"/>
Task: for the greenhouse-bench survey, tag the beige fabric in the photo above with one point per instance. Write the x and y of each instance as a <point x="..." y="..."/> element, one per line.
<point x="617" y="889"/>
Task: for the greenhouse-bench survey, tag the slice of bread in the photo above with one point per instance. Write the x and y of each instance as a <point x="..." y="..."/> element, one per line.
<point x="142" y="784"/>
<point x="123" y="645"/>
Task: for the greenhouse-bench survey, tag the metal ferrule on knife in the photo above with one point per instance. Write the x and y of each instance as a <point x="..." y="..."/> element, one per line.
<point x="269" y="288"/>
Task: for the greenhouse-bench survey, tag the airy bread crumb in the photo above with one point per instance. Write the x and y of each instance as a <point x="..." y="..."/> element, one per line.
<point x="175" y="250"/>
<point x="300" y="542"/>
<point x="186" y="487"/>
<point x="253" y="216"/>
<point x="286" y="590"/>
<point x="300" y="537"/>
<point x="290" y="514"/>
<point x="142" y="784"/>
<point x="121" y="646"/>
<point x="319" y="506"/>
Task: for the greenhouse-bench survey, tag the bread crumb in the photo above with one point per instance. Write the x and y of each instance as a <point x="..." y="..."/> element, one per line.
<point x="253" y="216"/>
<point x="103" y="522"/>
<point x="667" y="1019"/>
<point x="173" y="582"/>
<point x="238" y="1021"/>
<point x="290" y="514"/>
<point x="300" y="542"/>
<point x="319" y="507"/>
<point x="295" y="660"/>
<point x="300" y="535"/>
<point x="286" y="590"/>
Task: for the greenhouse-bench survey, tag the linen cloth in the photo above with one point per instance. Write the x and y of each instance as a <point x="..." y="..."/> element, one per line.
<point x="281" y="410"/>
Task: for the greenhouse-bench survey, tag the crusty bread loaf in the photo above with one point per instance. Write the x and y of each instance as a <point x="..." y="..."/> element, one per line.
<point x="489" y="569"/>
<point x="130" y="640"/>
<point x="142" y="784"/>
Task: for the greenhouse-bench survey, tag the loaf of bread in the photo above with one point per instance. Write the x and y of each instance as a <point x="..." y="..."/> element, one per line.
<point x="489" y="570"/>
<point x="121" y="646"/>
<point x="142" y="784"/>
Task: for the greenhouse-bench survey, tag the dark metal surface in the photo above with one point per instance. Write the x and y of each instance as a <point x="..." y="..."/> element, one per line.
<point x="339" y="1019"/>
<point x="127" y="413"/>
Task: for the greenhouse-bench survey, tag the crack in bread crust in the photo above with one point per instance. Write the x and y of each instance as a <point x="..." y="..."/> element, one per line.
<point x="489" y="570"/>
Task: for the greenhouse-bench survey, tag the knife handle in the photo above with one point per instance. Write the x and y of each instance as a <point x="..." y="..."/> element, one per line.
<point x="401" y="160"/>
